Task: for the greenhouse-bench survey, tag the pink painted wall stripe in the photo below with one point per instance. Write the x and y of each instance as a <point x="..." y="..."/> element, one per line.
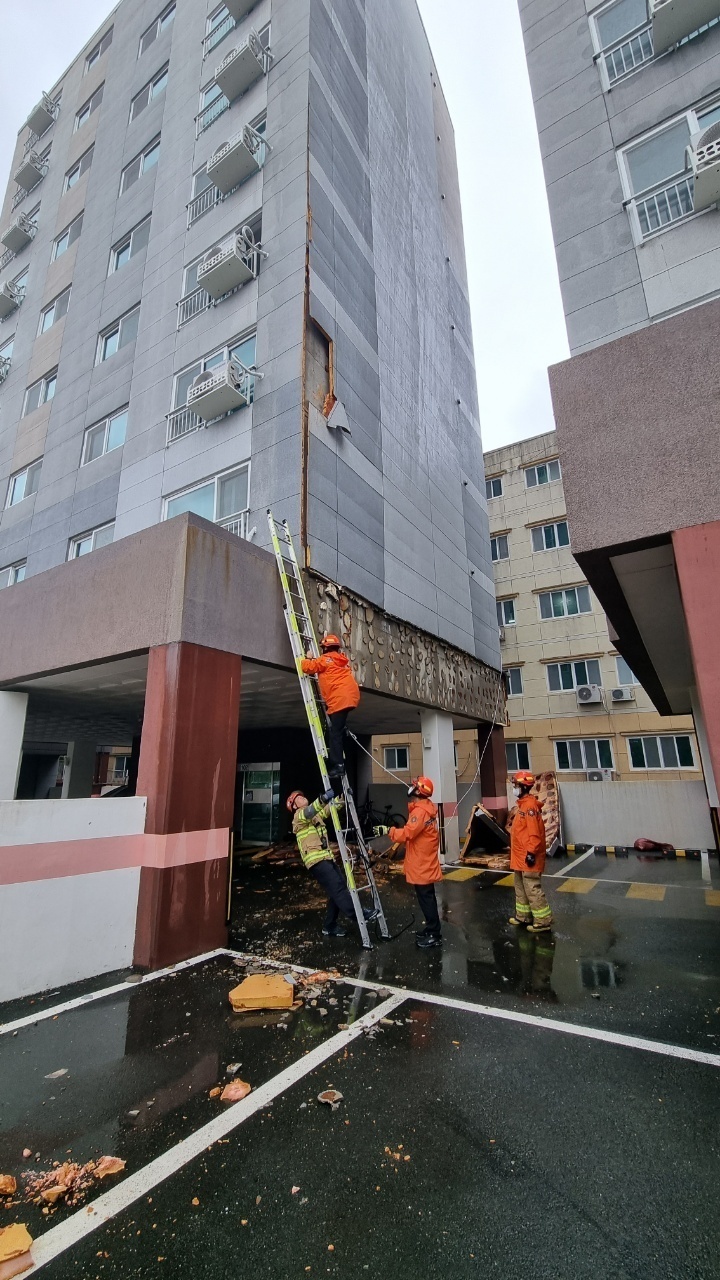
<point x="20" y="864"/>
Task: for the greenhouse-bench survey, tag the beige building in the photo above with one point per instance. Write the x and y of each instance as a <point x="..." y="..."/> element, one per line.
<point x="574" y="705"/>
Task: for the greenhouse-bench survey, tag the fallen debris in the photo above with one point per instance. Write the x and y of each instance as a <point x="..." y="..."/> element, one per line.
<point x="235" y="1091"/>
<point x="108" y="1165"/>
<point x="262" y="991"/>
<point x="331" y="1097"/>
<point x="55" y="1075"/>
<point x="15" y="1241"/>
<point x="215" y="1093"/>
<point x="8" y="1185"/>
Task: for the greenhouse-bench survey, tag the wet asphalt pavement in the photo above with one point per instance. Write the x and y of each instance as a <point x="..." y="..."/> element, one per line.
<point x="532" y="1153"/>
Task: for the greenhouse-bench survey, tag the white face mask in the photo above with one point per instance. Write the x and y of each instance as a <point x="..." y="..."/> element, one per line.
<point x="516" y="792"/>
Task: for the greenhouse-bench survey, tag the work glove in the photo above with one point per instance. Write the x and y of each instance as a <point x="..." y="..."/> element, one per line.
<point x="339" y="802"/>
<point x="328" y="795"/>
<point x="381" y="831"/>
<point x="530" y="859"/>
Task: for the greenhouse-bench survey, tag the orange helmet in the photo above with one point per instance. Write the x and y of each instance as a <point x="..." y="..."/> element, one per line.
<point x="422" y="787"/>
<point x="524" y="779"/>
<point x="290" y="802"/>
<point x="330" y="642"/>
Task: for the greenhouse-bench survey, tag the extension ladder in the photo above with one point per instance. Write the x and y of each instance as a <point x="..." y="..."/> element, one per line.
<point x="303" y="641"/>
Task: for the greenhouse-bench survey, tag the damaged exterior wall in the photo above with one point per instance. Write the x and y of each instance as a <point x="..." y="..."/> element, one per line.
<point x="392" y="657"/>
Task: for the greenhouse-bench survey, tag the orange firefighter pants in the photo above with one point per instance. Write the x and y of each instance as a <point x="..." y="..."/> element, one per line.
<point x="530" y="900"/>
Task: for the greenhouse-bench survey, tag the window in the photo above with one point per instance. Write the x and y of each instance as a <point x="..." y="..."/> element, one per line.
<point x="157" y="28"/>
<point x="624" y="674"/>
<point x="673" y="752"/>
<point x="656" y="173"/>
<point x="149" y="93"/>
<point x="12" y="573"/>
<point x="622" y="33"/>
<point x="542" y="473"/>
<point x="140" y="165"/>
<point x="190" y="277"/>
<point x="67" y="237"/>
<point x="506" y="613"/>
<point x="91" y="540"/>
<point x="131" y="244"/>
<point x="40" y="392"/>
<point x="6" y="349"/>
<point x="118" y="335"/>
<point x="219" y="24"/>
<point x="220" y="499"/>
<point x="243" y="351"/>
<point x="201" y="181"/>
<point x="19" y="284"/>
<point x="100" y="48"/>
<point x="212" y="104"/>
<point x="565" y="603"/>
<point x="517" y="755"/>
<point x="57" y="310"/>
<point x="568" y="675"/>
<point x="24" y="483"/>
<point x="547" y="537"/>
<point x="75" y="174"/>
<point x="397" y="759"/>
<point x="91" y="105"/>
<point x="105" y="436"/>
<point x="499" y="548"/>
<point x="513" y="681"/>
<point x="584" y="753"/>
<point x="494" y="488"/>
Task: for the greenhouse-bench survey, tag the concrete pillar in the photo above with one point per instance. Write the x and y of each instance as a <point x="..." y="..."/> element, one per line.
<point x="493" y="771"/>
<point x="79" y="772"/>
<point x="438" y="743"/>
<point x="187" y="768"/>
<point x="702" y="740"/>
<point x="697" y="561"/>
<point x="13" y="708"/>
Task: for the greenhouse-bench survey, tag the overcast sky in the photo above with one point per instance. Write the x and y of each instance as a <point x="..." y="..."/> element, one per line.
<point x="517" y="315"/>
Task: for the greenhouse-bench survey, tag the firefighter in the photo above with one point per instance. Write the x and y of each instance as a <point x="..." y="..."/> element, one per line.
<point x="527" y="858"/>
<point x="311" y="834"/>
<point x="341" y="694"/>
<point x="421" y="837"/>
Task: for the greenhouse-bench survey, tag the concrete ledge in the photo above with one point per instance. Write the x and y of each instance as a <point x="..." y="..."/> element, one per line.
<point x="29" y="822"/>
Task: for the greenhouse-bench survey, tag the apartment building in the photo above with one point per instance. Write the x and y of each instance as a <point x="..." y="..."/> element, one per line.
<point x="627" y="102"/>
<point x="213" y="302"/>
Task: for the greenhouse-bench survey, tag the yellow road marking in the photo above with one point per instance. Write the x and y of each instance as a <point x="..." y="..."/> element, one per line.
<point x="464" y="873"/>
<point x="679" y="853"/>
<point x="649" y="892"/>
<point x="577" y="886"/>
<point x="712" y="897"/>
<point x="507" y="882"/>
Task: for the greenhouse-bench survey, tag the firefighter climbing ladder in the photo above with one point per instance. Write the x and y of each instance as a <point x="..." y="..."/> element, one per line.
<point x="303" y="640"/>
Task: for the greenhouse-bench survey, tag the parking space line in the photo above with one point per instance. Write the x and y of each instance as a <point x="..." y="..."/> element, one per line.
<point x="572" y="865"/>
<point x="577" y="886"/>
<point x="52" y="1011"/>
<point x="648" y="892"/>
<point x="101" y="1211"/>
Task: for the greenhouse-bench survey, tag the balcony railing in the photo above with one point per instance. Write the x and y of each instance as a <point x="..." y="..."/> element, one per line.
<point x="210" y="114"/>
<point x="667" y="205"/>
<point x="215" y="37"/>
<point x="5" y="363"/>
<point x="203" y="203"/>
<point x="236" y="524"/>
<point x="6" y="258"/>
<point x="181" y="422"/>
<point x="192" y="305"/>
<point x="18" y="198"/>
<point x="630" y="54"/>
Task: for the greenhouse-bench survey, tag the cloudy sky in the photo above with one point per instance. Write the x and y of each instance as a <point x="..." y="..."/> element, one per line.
<point x="517" y="316"/>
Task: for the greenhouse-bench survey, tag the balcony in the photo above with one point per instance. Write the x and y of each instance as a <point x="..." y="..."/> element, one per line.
<point x="230" y="265"/>
<point x="203" y="203"/>
<point x="236" y="524"/>
<point x="19" y="234"/>
<point x="674" y="20"/>
<point x="192" y="305"/>
<point x="668" y="204"/>
<point x="210" y="113"/>
<point x="5" y="363"/>
<point x="11" y="296"/>
<point x="237" y="159"/>
<point x="242" y="67"/>
<point x="31" y="171"/>
<point x="6" y="258"/>
<point x="42" y="116"/>
<point x="222" y="390"/>
<point x="181" y="422"/>
<point x="218" y="34"/>
<point x="628" y="55"/>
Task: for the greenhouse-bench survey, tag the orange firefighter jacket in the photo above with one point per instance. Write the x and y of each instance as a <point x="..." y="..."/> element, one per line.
<point x="527" y="835"/>
<point x="421" y="837"/>
<point x="338" y="687"/>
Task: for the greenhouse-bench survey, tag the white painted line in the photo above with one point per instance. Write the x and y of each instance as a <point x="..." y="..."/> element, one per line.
<point x="53" y="1011"/>
<point x="705" y="860"/>
<point x="507" y="1015"/>
<point x="575" y="863"/>
<point x="68" y="1233"/>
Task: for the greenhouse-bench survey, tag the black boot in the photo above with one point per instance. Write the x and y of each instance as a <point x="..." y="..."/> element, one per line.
<point x="428" y="940"/>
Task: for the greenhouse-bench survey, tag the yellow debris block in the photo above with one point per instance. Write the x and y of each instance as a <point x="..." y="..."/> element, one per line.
<point x="647" y="892"/>
<point x="262" y="991"/>
<point x="712" y="897"/>
<point x="577" y="886"/>
<point x="14" y="1242"/>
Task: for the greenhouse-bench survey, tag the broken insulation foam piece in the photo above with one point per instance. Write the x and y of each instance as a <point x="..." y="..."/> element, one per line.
<point x="15" y="1243"/>
<point x="262" y="991"/>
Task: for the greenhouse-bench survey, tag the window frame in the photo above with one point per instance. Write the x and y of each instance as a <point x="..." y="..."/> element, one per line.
<point x="33" y="469"/>
<point x="490" y="482"/>
<point x="67" y="186"/>
<point x="48" y="379"/>
<point x="508" y="672"/>
<point x="99" y="49"/>
<point x="552" y="591"/>
<point x="495" y="541"/>
<point x="111" y="330"/>
<point x="216" y="481"/>
<point x="76" y="541"/>
<point x="68" y="231"/>
<point x="392" y="751"/>
<point x="691" y="115"/>
<point x="50" y="310"/>
<point x="555" y="525"/>
<point x="585" y="767"/>
<point x="517" y="767"/>
<point x="158" y="26"/>
<point x="90" y="106"/>
<point x="105" y="424"/>
<point x="657" y="738"/>
<point x="533" y="467"/>
<point x="127" y="240"/>
<point x="573" y="663"/>
<point x="15" y="573"/>
<point x="140" y="158"/>
<point x="500" y="609"/>
<point x="148" y="89"/>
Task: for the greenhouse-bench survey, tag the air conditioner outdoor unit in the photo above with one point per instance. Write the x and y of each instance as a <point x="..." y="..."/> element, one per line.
<point x="236" y="160"/>
<point x="229" y="265"/>
<point x="587" y="694"/>
<point x="238" y="9"/>
<point x="502" y="634"/>
<point x="10" y="298"/>
<point x="704" y="157"/>
<point x="220" y="390"/>
<point x="600" y="775"/>
<point x="672" y="20"/>
<point x="19" y="233"/>
<point x="241" y="67"/>
<point x="42" y="115"/>
<point x="623" y="694"/>
<point x="31" y="171"/>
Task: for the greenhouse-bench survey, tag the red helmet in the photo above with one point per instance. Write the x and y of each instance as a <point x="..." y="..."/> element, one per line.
<point x="524" y="779"/>
<point x="330" y="642"/>
<point x="290" y="802"/>
<point x="422" y="787"/>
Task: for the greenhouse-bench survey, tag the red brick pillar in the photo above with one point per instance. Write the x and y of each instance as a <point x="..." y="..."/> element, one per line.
<point x="697" y="560"/>
<point x="493" y="772"/>
<point x="187" y="769"/>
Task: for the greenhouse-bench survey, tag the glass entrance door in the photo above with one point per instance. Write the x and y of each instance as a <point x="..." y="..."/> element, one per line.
<point x="260" y="803"/>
